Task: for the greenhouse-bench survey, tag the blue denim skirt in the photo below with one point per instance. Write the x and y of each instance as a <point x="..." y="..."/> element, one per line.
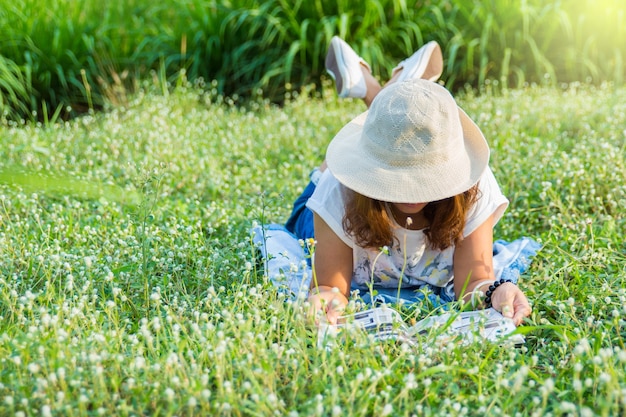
<point x="300" y="223"/>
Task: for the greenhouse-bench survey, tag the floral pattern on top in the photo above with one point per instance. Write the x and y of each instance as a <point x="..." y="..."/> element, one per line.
<point x="421" y="266"/>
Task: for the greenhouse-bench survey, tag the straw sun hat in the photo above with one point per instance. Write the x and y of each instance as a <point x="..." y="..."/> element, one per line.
<point x="414" y="145"/>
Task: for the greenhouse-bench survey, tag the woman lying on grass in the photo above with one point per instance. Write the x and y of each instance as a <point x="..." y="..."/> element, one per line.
<point x="405" y="199"/>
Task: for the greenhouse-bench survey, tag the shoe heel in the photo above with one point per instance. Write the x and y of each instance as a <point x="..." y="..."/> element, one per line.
<point x="332" y="68"/>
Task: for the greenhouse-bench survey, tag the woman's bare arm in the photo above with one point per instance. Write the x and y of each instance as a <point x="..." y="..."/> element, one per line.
<point x="473" y="259"/>
<point x="473" y="270"/>
<point x="332" y="272"/>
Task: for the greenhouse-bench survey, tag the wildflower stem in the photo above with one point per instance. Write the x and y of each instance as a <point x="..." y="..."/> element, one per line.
<point x="401" y="277"/>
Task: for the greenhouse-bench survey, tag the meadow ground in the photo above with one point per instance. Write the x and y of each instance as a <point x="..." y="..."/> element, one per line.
<point x="129" y="284"/>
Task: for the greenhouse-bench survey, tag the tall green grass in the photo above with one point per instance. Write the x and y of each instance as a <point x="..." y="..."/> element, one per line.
<point x="157" y="307"/>
<point x="71" y="56"/>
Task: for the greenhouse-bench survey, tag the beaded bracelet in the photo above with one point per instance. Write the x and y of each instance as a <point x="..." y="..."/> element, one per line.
<point x="492" y="289"/>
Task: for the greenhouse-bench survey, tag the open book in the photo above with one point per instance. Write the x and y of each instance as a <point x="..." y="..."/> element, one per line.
<point x="385" y="323"/>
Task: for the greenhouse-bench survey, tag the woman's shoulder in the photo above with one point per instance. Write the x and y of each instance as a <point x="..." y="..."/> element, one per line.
<point x="490" y="201"/>
<point x="328" y="202"/>
<point x="328" y="185"/>
<point x="488" y="181"/>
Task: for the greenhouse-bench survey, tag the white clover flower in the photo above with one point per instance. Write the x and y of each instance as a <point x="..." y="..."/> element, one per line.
<point x="33" y="368"/>
<point x="547" y="387"/>
<point x="130" y="383"/>
<point x="586" y="412"/>
<point x="228" y="386"/>
<point x="581" y="347"/>
<point x="169" y="394"/>
<point x="410" y="381"/>
<point x="272" y="399"/>
<point x="568" y="407"/>
<point x="139" y="362"/>
<point x="604" y="378"/>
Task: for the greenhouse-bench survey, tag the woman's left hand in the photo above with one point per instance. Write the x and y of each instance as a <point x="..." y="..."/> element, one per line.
<point x="511" y="302"/>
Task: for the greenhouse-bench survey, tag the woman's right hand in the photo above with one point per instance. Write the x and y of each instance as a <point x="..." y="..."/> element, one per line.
<point x="326" y="303"/>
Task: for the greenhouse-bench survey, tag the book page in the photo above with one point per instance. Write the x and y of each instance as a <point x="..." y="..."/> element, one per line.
<point x="385" y="323"/>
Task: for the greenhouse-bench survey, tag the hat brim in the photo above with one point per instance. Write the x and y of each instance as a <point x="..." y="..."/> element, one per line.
<point x="375" y="179"/>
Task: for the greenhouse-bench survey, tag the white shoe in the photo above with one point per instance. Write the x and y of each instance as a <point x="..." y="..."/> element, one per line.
<point x="344" y="66"/>
<point x="426" y="63"/>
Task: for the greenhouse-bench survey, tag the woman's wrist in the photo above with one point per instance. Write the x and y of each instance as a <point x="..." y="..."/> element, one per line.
<point x="318" y="289"/>
<point x="476" y="296"/>
<point x="481" y="284"/>
<point x="492" y="289"/>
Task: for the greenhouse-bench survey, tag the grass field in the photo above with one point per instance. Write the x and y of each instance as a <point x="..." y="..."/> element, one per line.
<point x="128" y="281"/>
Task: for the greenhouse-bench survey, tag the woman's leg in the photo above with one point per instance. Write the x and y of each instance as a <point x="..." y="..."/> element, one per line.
<point x="372" y="85"/>
<point x="431" y="70"/>
<point x="354" y="78"/>
<point x="300" y="222"/>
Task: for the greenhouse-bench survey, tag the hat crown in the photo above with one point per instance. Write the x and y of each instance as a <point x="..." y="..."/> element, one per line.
<point x="413" y="145"/>
<point x="410" y="120"/>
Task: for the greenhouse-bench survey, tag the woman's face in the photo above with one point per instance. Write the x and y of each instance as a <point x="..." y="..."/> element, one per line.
<point x="409" y="208"/>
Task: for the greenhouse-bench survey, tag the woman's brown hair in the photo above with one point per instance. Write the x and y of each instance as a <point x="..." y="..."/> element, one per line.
<point x="367" y="222"/>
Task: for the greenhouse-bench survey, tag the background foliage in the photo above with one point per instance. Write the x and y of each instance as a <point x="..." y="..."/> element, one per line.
<point x="64" y="57"/>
